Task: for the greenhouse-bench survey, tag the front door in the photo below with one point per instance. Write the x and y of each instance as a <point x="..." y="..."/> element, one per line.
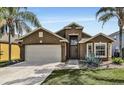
<point x="73" y="47"/>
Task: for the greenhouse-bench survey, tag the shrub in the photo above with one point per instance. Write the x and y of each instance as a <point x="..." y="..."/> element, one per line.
<point x="117" y="60"/>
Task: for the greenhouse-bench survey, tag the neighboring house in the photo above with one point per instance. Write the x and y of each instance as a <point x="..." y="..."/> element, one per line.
<point x="71" y="42"/>
<point x="115" y="46"/>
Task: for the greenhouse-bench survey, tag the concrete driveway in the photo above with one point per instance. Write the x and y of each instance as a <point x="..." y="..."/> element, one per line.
<point x="25" y="73"/>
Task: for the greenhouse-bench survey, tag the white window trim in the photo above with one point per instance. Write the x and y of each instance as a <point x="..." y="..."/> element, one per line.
<point x="88" y="48"/>
<point x="105" y="49"/>
<point x="110" y="49"/>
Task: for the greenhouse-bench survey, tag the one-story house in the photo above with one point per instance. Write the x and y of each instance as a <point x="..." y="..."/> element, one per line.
<point x="71" y="42"/>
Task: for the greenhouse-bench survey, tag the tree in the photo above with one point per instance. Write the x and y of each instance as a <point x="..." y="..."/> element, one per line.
<point x="107" y="13"/>
<point x="16" y="20"/>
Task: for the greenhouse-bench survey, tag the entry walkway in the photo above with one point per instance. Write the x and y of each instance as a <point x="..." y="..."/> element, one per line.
<point x="70" y="64"/>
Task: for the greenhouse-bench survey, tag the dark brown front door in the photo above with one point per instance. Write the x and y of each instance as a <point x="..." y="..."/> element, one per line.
<point x="73" y="47"/>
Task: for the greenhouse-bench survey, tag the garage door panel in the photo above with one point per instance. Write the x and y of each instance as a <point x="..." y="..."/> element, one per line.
<point x="43" y="53"/>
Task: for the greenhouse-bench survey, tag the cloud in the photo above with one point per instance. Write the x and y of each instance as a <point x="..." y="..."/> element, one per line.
<point x="62" y="20"/>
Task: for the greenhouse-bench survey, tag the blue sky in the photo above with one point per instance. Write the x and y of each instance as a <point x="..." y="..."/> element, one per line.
<point x="55" y="18"/>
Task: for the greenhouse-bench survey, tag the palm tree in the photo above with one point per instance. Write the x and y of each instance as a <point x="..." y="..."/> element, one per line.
<point x="15" y="20"/>
<point x="107" y="13"/>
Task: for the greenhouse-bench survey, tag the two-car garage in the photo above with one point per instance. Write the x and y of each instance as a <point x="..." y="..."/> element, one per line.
<point x="42" y="47"/>
<point x="43" y="53"/>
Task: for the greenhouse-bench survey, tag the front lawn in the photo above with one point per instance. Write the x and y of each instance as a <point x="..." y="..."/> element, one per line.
<point x="86" y="77"/>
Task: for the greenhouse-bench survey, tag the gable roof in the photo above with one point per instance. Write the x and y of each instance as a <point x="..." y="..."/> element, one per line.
<point x="86" y="34"/>
<point x="73" y="23"/>
<point x="86" y="40"/>
<point x="44" y="30"/>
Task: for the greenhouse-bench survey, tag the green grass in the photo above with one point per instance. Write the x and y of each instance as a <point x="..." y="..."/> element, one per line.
<point x="86" y="77"/>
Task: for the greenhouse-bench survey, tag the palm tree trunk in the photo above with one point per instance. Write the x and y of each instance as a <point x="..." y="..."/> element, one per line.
<point x="120" y="40"/>
<point x="9" y="39"/>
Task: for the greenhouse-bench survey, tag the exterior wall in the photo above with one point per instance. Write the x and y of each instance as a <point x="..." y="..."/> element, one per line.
<point x="64" y="51"/>
<point x="82" y="51"/>
<point x="22" y="52"/>
<point x="73" y="31"/>
<point x="83" y="47"/>
<point x="46" y="39"/>
<point x="70" y="31"/>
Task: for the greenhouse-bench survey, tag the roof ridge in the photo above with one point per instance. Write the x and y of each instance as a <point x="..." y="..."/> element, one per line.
<point x="43" y="29"/>
<point x="96" y="36"/>
<point x="69" y="25"/>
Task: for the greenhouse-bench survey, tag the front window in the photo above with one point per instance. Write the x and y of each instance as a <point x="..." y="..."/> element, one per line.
<point x="100" y="49"/>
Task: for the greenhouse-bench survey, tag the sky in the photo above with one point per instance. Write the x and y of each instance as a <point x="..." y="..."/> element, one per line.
<point x="55" y="18"/>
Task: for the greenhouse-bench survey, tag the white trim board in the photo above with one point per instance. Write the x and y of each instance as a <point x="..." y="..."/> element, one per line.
<point x="88" y="48"/>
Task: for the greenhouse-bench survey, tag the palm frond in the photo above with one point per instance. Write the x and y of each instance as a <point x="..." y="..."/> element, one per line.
<point x="22" y="27"/>
<point x="2" y="30"/>
<point x="18" y="17"/>
<point x="26" y="27"/>
<point x="104" y="18"/>
<point x="18" y="27"/>
<point x="29" y="17"/>
<point x="105" y="10"/>
<point x="2" y="22"/>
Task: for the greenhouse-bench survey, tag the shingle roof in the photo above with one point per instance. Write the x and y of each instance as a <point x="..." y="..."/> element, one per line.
<point x="86" y="40"/>
<point x="73" y="23"/>
<point x="46" y="31"/>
